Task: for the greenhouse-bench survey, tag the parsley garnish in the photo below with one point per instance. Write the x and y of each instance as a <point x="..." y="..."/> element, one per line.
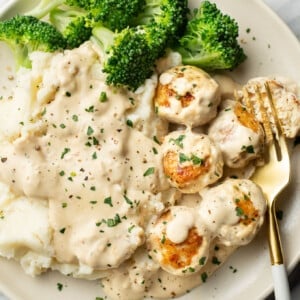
<point x="202" y="260"/>
<point x="103" y="97"/>
<point x="239" y="211"/>
<point x="178" y="141"/>
<point x="129" y="123"/>
<point x="204" y="276"/>
<point x="108" y="201"/>
<point x="149" y="172"/>
<point x="66" y="150"/>
<point x="113" y="222"/>
<point x="248" y="149"/>
<point x="90" y="131"/>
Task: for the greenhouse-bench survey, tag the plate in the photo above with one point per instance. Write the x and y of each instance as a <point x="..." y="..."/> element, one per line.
<point x="272" y="50"/>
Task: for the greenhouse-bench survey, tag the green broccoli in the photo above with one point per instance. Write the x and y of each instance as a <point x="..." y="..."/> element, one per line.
<point x="210" y="40"/>
<point x="25" y="34"/>
<point x="128" y="56"/>
<point x="113" y="14"/>
<point x="170" y="15"/>
<point x="73" y="24"/>
<point x="44" y="7"/>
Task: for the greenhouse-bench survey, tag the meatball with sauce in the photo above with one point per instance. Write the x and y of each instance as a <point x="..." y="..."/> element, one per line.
<point x="191" y="160"/>
<point x="286" y="101"/>
<point x="177" y="241"/>
<point x="233" y="210"/>
<point x="238" y="134"/>
<point x="187" y="95"/>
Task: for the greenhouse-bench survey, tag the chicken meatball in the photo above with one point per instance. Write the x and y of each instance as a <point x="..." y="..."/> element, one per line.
<point x="285" y="98"/>
<point x="233" y="210"/>
<point x="191" y="160"/>
<point x="187" y="95"/>
<point x="238" y="134"/>
<point x="177" y="241"/>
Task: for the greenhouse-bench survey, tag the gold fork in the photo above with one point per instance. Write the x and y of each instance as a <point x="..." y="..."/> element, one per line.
<point x="272" y="178"/>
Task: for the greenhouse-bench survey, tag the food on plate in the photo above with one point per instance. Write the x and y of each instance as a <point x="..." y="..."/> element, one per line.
<point x="133" y="35"/>
<point x="191" y="160"/>
<point x="210" y="40"/>
<point x="178" y="241"/>
<point x="283" y="93"/>
<point x="231" y="212"/>
<point x="234" y="210"/>
<point x="89" y="156"/>
<point x="238" y="134"/>
<point x="25" y="34"/>
<point x="187" y="95"/>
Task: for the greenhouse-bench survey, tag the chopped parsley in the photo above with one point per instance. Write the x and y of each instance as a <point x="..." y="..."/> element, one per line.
<point x="202" y="260"/>
<point x="248" y="149"/>
<point x="155" y="139"/>
<point x="178" y="141"/>
<point x="90" y="109"/>
<point x="149" y="171"/>
<point x="59" y="286"/>
<point x="113" y="222"/>
<point x="204" y="276"/>
<point x="90" y="131"/>
<point x="128" y="201"/>
<point x="62" y="230"/>
<point x="154" y="150"/>
<point x="108" y="201"/>
<point x="183" y="158"/>
<point x="196" y="160"/>
<point x="131" y="228"/>
<point x="103" y="97"/>
<point x="75" y="118"/>
<point x="66" y="150"/>
<point x="129" y="123"/>
<point x="215" y="260"/>
<point x="239" y="211"/>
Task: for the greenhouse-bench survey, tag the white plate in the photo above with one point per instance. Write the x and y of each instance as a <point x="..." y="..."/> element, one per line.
<point x="271" y="49"/>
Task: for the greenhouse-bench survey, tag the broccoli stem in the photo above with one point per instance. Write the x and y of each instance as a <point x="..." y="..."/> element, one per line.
<point x="44" y="7"/>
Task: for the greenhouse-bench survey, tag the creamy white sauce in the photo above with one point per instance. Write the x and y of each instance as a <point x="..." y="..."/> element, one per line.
<point x="178" y="228"/>
<point x="91" y="172"/>
<point x="79" y="159"/>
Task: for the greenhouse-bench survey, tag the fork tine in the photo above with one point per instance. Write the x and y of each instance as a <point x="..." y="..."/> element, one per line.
<point x="270" y="98"/>
<point x="265" y="120"/>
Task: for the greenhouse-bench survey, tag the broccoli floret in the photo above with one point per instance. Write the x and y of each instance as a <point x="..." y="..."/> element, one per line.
<point x="210" y="40"/>
<point x="81" y="15"/>
<point x="44" y="7"/>
<point x="25" y="34"/>
<point x="73" y="24"/>
<point x="171" y="15"/>
<point x="115" y="14"/>
<point x="128" y="57"/>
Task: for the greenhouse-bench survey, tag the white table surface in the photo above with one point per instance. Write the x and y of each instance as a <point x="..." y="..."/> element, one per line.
<point x="289" y="11"/>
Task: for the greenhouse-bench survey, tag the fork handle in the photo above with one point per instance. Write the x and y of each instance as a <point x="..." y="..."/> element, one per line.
<point x="280" y="278"/>
<point x="281" y="284"/>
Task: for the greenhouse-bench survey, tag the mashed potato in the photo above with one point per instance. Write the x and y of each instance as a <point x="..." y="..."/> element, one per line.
<point x="88" y="186"/>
